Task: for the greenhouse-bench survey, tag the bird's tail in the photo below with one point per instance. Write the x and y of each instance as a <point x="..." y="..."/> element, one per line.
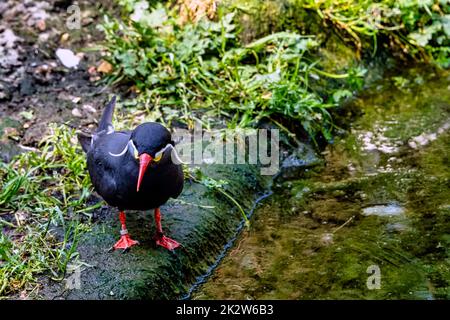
<point x="106" y="121"/>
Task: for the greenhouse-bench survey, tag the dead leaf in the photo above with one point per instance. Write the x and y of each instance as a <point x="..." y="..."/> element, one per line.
<point x="21" y="217"/>
<point x="105" y="67"/>
<point x="64" y="38"/>
<point x="194" y="10"/>
<point x="11" y="133"/>
<point x="267" y="95"/>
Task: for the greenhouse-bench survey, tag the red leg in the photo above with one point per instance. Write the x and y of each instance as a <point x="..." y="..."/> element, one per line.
<point x="159" y="237"/>
<point x="125" y="241"/>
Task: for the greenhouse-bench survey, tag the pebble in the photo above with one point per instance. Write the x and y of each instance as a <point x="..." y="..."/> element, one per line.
<point x="384" y="210"/>
<point x="8" y="38"/>
<point x="64" y="38"/>
<point x="67" y="58"/>
<point x="77" y="113"/>
<point x="89" y="108"/>
<point x="76" y="99"/>
<point x="43" y="37"/>
<point x="41" y="25"/>
<point x="105" y="67"/>
<point x="327" y="239"/>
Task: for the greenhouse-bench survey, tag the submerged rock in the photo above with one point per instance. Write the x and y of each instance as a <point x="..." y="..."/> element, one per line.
<point x="301" y="159"/>
<point x="425" y="138"/>
<point x="384" y="210"/>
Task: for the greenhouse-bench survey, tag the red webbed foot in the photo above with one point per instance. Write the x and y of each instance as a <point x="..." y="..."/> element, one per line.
<point x="160" y="238"/>
<point x="125" y="242"/>
<point x="165" y="242"/>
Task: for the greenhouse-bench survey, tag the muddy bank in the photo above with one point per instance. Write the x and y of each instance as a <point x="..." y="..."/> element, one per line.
<point x="201" y="220"/>
<point x="379" y="199"/>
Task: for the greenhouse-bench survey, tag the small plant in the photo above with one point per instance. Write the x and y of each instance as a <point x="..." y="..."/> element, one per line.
<point x="43" y="198"/>
<point x="201" y="70"/>
<point x="217" y="186"/>
<point x="415" y="28"/>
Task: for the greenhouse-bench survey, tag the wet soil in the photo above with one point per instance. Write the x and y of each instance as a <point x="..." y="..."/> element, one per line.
<point x="35" y="88"/>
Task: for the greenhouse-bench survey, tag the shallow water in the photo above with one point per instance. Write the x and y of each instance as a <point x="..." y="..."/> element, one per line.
<point x="373" y="222"/>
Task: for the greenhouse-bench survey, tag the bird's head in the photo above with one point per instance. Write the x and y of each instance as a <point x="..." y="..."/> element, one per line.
<point x="148" y="143"/>
<point x="150" y="140"/>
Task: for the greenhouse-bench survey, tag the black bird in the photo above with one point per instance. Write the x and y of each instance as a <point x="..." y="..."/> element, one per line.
<point x="134" y="170"/>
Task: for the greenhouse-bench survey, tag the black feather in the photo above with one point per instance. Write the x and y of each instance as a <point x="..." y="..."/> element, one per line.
<point x="85" y="141"/>
<point x="106" y="121"/>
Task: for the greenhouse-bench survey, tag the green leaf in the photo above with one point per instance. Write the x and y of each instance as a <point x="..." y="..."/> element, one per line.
<point x="341" y="94"/>
<point x="154" y="19"/>
<point x="420" y="38"/>
<point x="28" y="115"/>
<point x="423" y="37"/>
<point x="445" y="20"/>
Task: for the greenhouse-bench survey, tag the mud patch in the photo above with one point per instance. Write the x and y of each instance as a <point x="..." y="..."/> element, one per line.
<point x="34" y="85"/>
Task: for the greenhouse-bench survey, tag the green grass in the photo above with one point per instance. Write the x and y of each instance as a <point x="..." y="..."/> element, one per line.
<point x="43" y="211"/>
<point x="196" y="175"/>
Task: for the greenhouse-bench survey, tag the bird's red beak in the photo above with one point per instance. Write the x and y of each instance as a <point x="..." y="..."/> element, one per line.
<point x="144" y="161"/>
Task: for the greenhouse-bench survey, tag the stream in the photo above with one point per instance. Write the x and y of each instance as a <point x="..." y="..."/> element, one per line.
<point x="370" y="221"/>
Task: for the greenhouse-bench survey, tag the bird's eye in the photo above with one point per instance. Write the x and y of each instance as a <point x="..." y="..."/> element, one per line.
<point x="158" y="156"/>
<point x="160" y="153"/>
<point x="135" y="151"/>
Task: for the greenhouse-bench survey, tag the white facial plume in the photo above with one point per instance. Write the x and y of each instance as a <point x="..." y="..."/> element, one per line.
<point x="131" y="147"/>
